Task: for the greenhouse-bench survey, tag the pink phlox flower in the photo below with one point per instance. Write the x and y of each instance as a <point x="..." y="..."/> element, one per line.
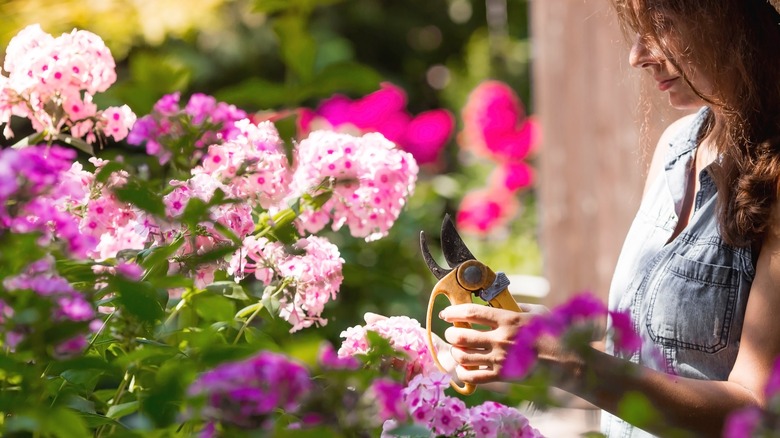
<point x="404" y="334"/>
<point x="256" y="152"/>
<point x="315" y="276"/>
<point x="372" y="181"/>
<point x="384" y="111"/>
<point x="48" y="75"/>
<point x="492" y="419"/>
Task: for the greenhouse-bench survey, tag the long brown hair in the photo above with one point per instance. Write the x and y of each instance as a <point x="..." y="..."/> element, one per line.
<point x="735" y="44"/>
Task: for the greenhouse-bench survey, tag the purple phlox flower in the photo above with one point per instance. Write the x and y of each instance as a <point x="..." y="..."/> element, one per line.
<point x="244" y="393"/>
<point x="328" y="358"/>
<point x="625" y="338"/>
<point x="742" y="423"/>
<point x="580" y="309"/>
<point x="71" y="347"/>
<point x="131" y="271"/>
<point x="389" y="397"/>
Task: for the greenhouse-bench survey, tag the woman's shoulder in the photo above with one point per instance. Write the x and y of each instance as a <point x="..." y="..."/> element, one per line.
<point x="666" y="140"/>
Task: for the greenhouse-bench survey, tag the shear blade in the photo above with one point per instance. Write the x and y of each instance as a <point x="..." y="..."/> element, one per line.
<point x="453" y="247"/>
<point x="434" y="267"/>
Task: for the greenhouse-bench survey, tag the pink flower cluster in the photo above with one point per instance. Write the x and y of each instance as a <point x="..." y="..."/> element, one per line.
<point x="578" y="311"/>
<point x="426" y="404"/>
<point x="252" y="164"/>
<point x="244" y="394"/>
<point x="212" y="122"/>
<point x="384" y="111"/>
<point x="67" y="305"/>
<point x="52" y="81"/>
<point x="495" y="126"/>
<point x="311" y="274"/>
<point x="405" y="335"/>
<point x="371" y="181"/>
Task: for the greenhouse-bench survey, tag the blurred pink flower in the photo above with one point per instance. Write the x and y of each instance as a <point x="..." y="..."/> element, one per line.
<point x="384" y="111"/>
<point x="512" y="176"/>
<point x="495" y="124"/>
<point x="482" y="211"/>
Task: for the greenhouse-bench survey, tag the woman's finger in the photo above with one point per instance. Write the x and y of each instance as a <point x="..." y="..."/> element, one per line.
<point x="471" y="313"/>
<point x="470" y="357"/>
<point x="484" y="374"/>
<point x="467" y="338"/>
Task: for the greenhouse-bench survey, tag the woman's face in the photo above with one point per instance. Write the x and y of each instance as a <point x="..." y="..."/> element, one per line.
<point x="668" y="78"/>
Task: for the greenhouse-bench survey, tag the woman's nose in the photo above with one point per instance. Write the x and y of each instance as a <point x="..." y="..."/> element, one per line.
<point x="640" y="56"/>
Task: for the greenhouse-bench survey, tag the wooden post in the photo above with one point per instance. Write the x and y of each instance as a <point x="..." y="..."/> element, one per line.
<point x="592" y="163"/>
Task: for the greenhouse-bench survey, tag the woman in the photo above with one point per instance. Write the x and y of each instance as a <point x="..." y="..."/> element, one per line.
<point x="700" y="267"/>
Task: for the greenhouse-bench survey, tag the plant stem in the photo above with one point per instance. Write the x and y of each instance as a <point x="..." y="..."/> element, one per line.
<point x="246" y="324"/>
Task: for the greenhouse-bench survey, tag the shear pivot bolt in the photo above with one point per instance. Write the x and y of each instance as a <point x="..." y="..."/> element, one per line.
<point x="472" y="274"/>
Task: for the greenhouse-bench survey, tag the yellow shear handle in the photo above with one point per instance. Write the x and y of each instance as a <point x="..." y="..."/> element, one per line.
<point x="460" y="296"/>
<point x="450" y="287"/>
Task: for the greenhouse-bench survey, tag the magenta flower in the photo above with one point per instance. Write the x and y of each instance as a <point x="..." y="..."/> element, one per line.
<point x="742" y="423"/>
<point x="328" y="358"/>
<point x="389" y="398"/>
<point x="163" y="128"/>
<point x="512" y="176"/>
<point x="483" y="211"/>
<point x="384" y="111"/>
<point x="579" y="311"/>
<point x="495" y="124"/>
<point x="246" y="393"/>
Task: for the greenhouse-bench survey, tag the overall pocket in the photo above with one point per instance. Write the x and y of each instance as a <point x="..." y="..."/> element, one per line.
<point x="692" y="305"/>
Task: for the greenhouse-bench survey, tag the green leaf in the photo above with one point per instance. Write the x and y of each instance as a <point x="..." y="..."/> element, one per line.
<point x="25" y="249"/>
<point x="142" y="196"/>
<point x="214" y="307"/>
<point x="123" y="409"/>
<point x="64" y="423"/>
<point x="298" y="48"/>
<point x="31" y="140"/>
<point x="636" y="409"/>
<point x="139" y="299"/>
<point x="248" y="310"/>
<point x="76" y="143"/>
<point x="411" y="431"/>
<point x="228" y="289"/>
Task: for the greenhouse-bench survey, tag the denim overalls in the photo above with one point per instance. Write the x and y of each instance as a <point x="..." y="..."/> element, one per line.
<point x="687" y="298"/>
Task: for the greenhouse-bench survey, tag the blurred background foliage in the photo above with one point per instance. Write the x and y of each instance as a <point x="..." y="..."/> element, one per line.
<point x="278" y="55"/>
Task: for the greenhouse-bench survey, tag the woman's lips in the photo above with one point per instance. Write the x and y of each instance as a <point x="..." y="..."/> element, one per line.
<point x="666" y="84"/>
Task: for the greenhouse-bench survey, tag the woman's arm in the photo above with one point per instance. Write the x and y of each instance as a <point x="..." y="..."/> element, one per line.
<point x="700" y="406"/>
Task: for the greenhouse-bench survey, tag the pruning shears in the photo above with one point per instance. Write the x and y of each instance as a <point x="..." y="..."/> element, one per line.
<point x="467" y="278"/>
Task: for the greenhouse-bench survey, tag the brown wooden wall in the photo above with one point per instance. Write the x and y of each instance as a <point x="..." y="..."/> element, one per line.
<point x="591" y="161"/>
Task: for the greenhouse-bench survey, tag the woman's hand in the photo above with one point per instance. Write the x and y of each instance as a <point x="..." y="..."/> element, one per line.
<point x="480" y="354"/>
